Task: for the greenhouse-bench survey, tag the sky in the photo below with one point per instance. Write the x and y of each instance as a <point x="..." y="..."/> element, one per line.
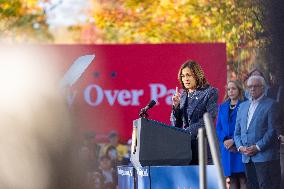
<point x="65" y="12"/>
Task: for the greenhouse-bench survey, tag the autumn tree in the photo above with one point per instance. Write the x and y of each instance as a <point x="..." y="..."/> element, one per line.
<point x="272" y="19"/>
<point x="23" y="21"/>
<point x="170" y="21"/>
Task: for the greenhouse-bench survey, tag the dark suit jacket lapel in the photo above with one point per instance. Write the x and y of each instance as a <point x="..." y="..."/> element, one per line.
<point x="198" y="95"/>
<point x="182" y="99"/>
<point x="235" y="110"/>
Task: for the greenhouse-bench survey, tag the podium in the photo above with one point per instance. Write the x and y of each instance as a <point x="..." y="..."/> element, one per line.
<point x="157" y="144"/>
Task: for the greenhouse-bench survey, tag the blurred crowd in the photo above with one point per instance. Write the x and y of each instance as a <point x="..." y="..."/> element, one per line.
<point x="99" y="160"/>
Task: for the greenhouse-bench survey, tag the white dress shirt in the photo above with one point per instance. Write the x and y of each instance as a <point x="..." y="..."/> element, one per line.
<point x="252" y="108"/>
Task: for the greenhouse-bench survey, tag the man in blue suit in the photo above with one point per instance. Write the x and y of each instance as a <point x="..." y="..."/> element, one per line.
<point x="255" y="137"/>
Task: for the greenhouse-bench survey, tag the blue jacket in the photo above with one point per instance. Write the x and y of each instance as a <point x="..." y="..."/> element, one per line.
<point x="203" y="100"/>
<point x="261" y="130"/>
<point x="231" y="161"/>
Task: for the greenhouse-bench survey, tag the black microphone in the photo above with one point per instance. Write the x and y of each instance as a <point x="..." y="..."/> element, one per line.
<point x="149" y="105"/>
<point x="143" y="111"/>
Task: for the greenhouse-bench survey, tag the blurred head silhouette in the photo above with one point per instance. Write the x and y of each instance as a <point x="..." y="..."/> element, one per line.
<point x="37" y="147"/>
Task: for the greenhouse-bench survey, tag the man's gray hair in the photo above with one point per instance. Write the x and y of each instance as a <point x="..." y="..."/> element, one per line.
<point x="256" y="77"/>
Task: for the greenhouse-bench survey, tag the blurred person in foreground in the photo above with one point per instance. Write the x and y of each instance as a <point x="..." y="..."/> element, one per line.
<point x="196" y="98"/>
<point x="37" y="139"/>
<point x="255" y="137"/>
<point x="231" y="159"/>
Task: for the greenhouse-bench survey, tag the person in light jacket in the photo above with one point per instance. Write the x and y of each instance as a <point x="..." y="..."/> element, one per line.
<point x="256" y="139"/>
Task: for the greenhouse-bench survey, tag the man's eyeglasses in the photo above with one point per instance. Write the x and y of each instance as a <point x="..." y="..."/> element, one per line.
<point x="254" y="86"/>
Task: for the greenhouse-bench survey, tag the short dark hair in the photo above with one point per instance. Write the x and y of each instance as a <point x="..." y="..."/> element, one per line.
<point x="252" y="71"/>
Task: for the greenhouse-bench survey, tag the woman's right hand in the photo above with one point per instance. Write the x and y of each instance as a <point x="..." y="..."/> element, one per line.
<point x="176" y="98"/>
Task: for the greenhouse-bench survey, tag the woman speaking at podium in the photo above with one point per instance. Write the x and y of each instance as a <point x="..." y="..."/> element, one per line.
<point x="196" y="98"/>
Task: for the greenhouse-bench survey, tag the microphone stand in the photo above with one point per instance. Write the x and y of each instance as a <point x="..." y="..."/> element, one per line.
<point x="143" y="113"/>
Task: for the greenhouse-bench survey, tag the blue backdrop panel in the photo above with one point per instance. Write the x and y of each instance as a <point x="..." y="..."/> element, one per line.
<point x="181" y="177"/>
<point x="125" y="177"/>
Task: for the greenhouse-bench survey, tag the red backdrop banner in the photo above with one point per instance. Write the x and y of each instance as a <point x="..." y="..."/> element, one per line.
<point x="122" y="79"/>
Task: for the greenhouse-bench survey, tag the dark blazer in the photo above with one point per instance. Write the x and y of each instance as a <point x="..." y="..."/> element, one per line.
<point x="261" y="130"/>
<point x="203" y="100"/>
<point x="276" y="92"/>
<point x="225" y="127"/>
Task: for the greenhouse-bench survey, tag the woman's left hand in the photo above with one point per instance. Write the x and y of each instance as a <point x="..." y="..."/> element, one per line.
<point x="228" y="143"/>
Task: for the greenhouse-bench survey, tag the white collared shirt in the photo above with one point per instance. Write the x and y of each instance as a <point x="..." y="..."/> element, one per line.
<point x="252" y="108"/>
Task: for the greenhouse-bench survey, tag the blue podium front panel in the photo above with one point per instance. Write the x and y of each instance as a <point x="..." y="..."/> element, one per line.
<point x="143" y="178"/>
<point x="181" y="177"/>
<point x="125" y="177"/>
